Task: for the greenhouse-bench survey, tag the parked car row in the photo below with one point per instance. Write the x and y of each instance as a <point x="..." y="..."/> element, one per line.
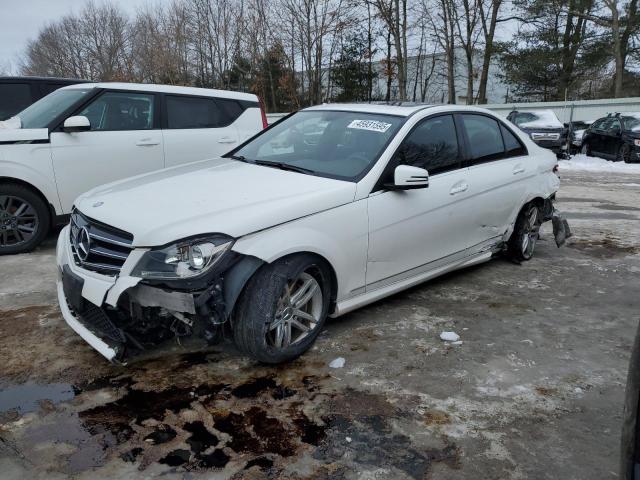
<point x="614" y="137"/>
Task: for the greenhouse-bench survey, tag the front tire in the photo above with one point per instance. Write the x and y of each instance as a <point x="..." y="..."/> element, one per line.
<point x="282" y="309"/>
<point x="624" y="153"/>
<point x="585" y="150"/>
<point x="24" y="219"/>
<point x="525" y="234"/>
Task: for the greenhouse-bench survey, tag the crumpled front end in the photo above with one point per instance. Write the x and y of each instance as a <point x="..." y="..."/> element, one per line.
<point x="123" y="316"/>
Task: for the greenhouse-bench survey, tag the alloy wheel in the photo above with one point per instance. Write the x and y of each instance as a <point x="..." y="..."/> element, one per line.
<point x="530" y="233"/>
<point x="18" y="221"/>
<point x="298" y="312"/>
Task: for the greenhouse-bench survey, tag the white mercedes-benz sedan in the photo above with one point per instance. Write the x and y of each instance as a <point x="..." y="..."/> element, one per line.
<point x="331" y="208"/>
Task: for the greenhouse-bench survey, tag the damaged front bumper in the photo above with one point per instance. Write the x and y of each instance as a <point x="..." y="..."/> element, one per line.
<point x="122" y="318"/>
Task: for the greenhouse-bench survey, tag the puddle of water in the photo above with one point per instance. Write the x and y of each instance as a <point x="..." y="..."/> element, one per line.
<point x="176" y="458"/>
<point x="201" y="438"/>
<point x="28" y="397"/>
<point x="162" y="434"/>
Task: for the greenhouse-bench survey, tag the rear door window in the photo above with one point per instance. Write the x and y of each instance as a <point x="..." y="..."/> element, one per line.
<point x="200" y="112"/>
<point x="485" y="138"/>
<point x="432" y="145"/>
<point x="513" y="147"/>
<point x="14" y="97"/>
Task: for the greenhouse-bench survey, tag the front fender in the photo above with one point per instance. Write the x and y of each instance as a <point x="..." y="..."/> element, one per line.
<point x="339" y="235"/>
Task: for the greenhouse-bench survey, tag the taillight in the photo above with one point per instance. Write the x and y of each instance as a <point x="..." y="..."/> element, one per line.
<point x="265" y="124"/>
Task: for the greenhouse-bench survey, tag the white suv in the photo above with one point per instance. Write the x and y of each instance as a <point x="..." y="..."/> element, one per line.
<point x="331" y="208"/>
<point x="86" y="135"/>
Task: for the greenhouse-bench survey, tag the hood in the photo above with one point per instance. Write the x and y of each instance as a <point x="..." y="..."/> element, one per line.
<point x="23" y="134"/>
<point x="213" y="196"/>
<point x="545" y="119"/>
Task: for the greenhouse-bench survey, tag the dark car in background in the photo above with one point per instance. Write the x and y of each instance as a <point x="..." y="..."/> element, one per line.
<point x="543" y="127"/>
<point x="576" y="130"/>
<point x="614" y="137"/>
<point x="17" y="93"/>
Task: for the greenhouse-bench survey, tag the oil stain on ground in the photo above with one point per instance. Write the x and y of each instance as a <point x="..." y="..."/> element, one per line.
<point x="261" y="423"/>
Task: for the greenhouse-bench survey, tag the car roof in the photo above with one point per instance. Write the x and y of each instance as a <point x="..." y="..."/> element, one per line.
<point x="178" y="90"/>
<point x="42" y="80"/>
<point x="403" y="109"/>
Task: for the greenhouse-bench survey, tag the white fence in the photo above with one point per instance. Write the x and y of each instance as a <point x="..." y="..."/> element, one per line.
<point x="576" y="110"/>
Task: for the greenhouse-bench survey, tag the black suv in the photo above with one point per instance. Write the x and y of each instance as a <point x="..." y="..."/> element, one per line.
<point x="543" y="127"/>
<point x="615" y="137"/>
<point x="17" y="93"/>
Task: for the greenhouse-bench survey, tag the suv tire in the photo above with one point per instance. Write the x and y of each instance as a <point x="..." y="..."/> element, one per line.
<point x="24" y="219"/>
<point x="282" y="309"/>
<point x="525" y="234"/>
<point x="586" y="149"/>
<point x="624" y="153"/>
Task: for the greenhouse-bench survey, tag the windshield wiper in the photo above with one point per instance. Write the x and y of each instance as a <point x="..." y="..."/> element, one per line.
<point x="284" y="166"/>
<point x="240" y="158"/>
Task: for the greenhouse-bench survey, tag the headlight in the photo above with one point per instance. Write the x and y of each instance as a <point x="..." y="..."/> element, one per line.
<point x="637" y="142"/>
<point x="183" y="259"/>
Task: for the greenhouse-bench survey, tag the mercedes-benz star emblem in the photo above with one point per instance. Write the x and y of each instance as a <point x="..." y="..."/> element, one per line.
<point x="84" y="243"/>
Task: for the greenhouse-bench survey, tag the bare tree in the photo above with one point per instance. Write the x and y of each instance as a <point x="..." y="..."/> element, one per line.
<point x="489" y="11"/>
<point x="394" y="15"/>
<point x="466" y="14"/>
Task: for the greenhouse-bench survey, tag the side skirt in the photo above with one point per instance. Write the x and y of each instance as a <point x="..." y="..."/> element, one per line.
<point x="384" y="288"/>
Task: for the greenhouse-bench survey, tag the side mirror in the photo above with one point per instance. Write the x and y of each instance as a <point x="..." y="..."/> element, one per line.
<point x="406" y="177"/>
<point x="78" y="123"/>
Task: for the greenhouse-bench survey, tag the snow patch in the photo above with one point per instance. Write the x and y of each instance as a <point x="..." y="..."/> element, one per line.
<point x="337" y="363"/>
<point x="596" y="164"/>
<point x="449" y="336"/>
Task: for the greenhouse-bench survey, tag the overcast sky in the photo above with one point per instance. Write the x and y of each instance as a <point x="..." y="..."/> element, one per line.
<point x="20" y="21"/>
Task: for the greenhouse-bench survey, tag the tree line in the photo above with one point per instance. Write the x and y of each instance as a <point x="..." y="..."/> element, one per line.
<point x="295" y="53"/>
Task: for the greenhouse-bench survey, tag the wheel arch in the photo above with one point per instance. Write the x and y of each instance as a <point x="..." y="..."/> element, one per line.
<point x="34" y="189"/>
<point x="238" y="276"/>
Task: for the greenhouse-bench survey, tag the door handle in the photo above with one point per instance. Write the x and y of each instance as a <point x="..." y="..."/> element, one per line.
<point x="518" y="169"/>
<point x="227" y="140"/>
<point x="147" y="142"/>
<point x="458" y="188"/>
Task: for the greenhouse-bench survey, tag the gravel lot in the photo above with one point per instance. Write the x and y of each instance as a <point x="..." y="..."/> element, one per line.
<point x="534" y="391"/>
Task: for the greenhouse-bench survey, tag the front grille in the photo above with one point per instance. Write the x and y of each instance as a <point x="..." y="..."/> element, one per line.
<point x="98" y="247"/>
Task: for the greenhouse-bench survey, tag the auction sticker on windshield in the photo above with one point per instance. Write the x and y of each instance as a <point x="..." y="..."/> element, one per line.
<point x="371" y="125"/>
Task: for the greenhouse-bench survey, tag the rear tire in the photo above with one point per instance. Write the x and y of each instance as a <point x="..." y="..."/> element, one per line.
<point x="525" y="234"/>
<point x="24" y="219"/>
<point x="282" y="309"/>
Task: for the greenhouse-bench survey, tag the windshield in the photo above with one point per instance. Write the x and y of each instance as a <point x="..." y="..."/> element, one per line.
<point x="45" y="110"/>
<point x="342" y="145"/>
